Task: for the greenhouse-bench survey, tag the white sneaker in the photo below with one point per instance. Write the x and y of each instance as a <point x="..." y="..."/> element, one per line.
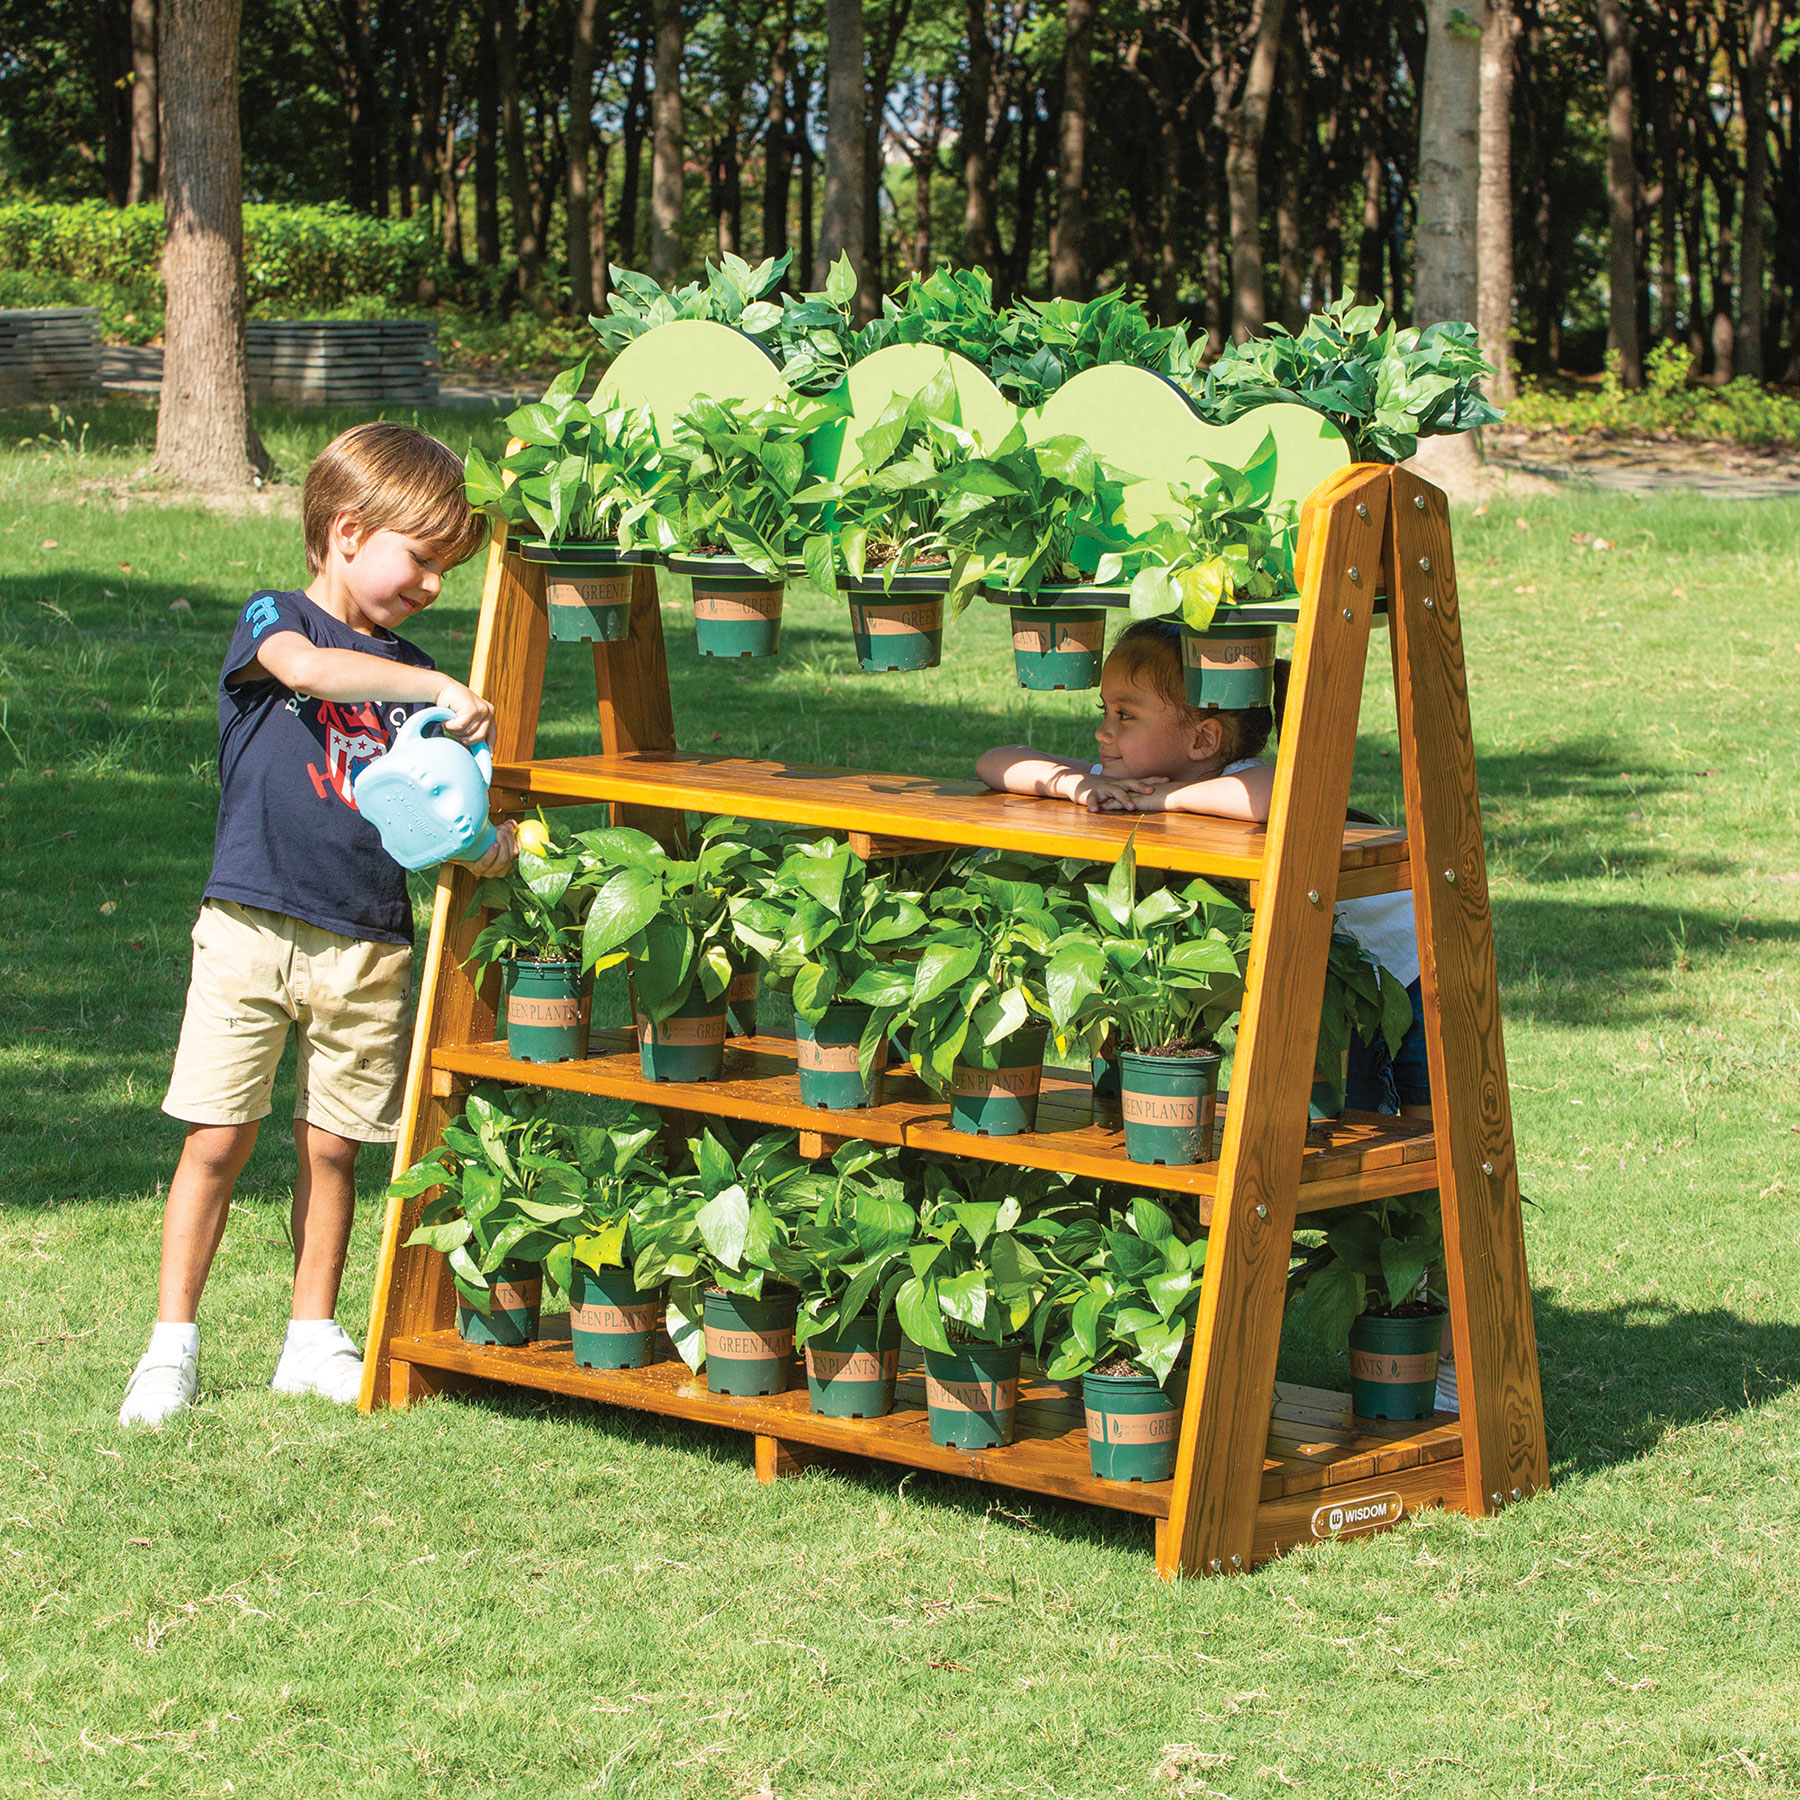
<point x="160" y="1386"/>
<point x="325" y="1361"/>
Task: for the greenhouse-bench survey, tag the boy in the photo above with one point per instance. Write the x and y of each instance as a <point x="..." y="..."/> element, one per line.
<point x="305" y="923"/>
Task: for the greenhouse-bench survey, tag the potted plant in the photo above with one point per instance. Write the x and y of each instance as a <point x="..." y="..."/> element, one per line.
<point x="1039" y="523"/>
<point x="1362" y="1000"/>
<point x="1225" y="547"/>
<point x="1364" y="1286"/>
<point x="840" y="931"/>
<point x="1124" y="1310"/>
<point x="728" y="518"/>
<point x="573" y="477"/>
<point x="732" y="293"/>
<point x="725" y="1243"/>
<point x="621" y="1178"/>
<point x="671" y="916"/>
<point x="977" y="1015"/>
<point x="854" y="1250"/>
<point x="503" y="1179"/>
<point x="978" y="1277"/>
<point x="1044" y="342"/>
<point x="1161" y="978"/>
<point x="534" y="934"/>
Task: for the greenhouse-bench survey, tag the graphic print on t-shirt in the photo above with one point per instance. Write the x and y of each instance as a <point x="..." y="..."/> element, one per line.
<point x="353" y="737"/>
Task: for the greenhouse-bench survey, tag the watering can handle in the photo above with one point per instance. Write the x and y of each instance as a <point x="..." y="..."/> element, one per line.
<point x="437" y="715"/>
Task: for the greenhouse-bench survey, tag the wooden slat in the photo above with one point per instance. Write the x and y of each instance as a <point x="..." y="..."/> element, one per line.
<point x="1484" y="1235"/>
<point x="924" y="809"/>
<point x="1238" y="1332"/>
<point x="1283" y="1524"/>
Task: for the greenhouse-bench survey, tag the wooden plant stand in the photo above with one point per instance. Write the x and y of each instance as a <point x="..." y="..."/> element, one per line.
<point x="1259" y="1467"/>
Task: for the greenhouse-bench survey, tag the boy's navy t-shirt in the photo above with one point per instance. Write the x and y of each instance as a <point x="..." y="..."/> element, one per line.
<point x="290" y="839"/>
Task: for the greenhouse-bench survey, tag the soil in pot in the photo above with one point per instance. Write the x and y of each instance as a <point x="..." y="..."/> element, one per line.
<point x="972" y="1395"/>
<point x="994" y="1092"/>
<point x="689" y="1045"/>
<point x="1229" y="666"/>
<point x="750" y="1343"/>
<point x="611" y="1325"/>
<point x="735" y="615"/>
<point x="516" y="1291"/>
<point x="850" y="1372"/>
<point x="1130" y="1426"/>
<point x="546" y="1010"/>
<point x="1169" y="1102"/>
<point x="587" y="591"/>
<point x="1058" y="646"/>
<point x="825" y="1052"/>
<point x="899" y="628"/>
<point x="1394" y="1362"/>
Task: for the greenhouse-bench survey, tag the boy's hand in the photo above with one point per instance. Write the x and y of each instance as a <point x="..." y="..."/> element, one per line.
<point x="1109" y="793"/>
<point x="500" y="853"/>
<point x="471" y="718"/>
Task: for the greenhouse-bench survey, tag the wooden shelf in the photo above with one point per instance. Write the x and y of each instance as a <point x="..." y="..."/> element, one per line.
<point x="1364" y="1156"/>
<point x="928" y="810"/>
<point x="1315" y="1449"/>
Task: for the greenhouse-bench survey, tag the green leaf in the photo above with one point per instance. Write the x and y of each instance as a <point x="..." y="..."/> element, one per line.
<point x="724" y="1225"/>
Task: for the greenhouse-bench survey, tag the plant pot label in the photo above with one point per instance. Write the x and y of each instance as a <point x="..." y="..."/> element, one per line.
<point x="738" y="609"/>
<point x="1369" y="1512"/>
<point x="743" y="987"/>
<point x="991" y="1397"/>
<point x="589" y="591"/>
<point x="910" y="620"/>
<point x="824" y="1059"/>
<point x="1379" y="1365"/>
<point x="508" y="1296"/>
<point x="553" y="1009"/>
<point x="1228" y="653"/>
<point x="748" y="1346"/>
<point x="978" y="1084"/>
<point x="613" y="1321"/>
<point x="1130" y="1428"/>
<point x="1056" y="636"/>
<point x="852" y="1365"/>
<point x="1187" y="1111"/>
<point x="684" y="1034"/>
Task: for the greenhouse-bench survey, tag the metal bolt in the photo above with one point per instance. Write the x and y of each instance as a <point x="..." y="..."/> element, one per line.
<point x="1419" y="501"/>
<point x="1262" y="1212"/>
<point x="1312" y="894"/>
<point x="1348" y="614"/>
<point x="1487" y="1168"/>
<point x="1362" y="512"/>
<point x="1428" y="603"/>
<point x="1450" y="876"/>
<point x="1237" y="1562"/>
<point x="1518" y="1493"/>
<point x="1217" y="1566"/>
<point x="1497" y="1500"/>
<point x="1425" y="564"/>
<point x="1355" y="573"/>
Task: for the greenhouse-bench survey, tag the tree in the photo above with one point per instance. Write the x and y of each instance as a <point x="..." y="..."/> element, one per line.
<point x="1244" y="122"/>
<point x="667" y="143"/>
<point x="587" y="283"/>
<point x="1067" y="276"/>
<point x="1621" y="187"/>
<point x="1494" y="222"/>
<point x="1444" y="276"/>
<point x="980" y="245"/>
<point x="146" y="144"/>
<point x="1758" y="52"/>
<point x="204" y="437"/>
<point x="841" y="222"/>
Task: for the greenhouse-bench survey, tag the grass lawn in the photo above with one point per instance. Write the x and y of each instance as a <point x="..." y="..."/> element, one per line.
<point x="508" y="1597"/>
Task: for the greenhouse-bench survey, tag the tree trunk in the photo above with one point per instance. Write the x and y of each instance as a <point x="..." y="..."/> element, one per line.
<point x="1293" y="180"/>
<point x="1244" y="124"/>
<point x="1444" y="274"/>
<point x="625" y="232"/>
<point x="1757" y="54"/>
<point x="1068" y="227"/>
<point x="597" y="246"/>
<point x="518" y="170"/>
<point x="447" y="192"/>
<point x="1621" y="184"/>
<point x="146" y="151"/>
<point x="668" y="146"/>
<point x="1494" y="229"/>
<point x="727" y="177"/>
<point x="777" y="154"/>
<point x="585" y="294"/>
<point x="204" y="437"/>
<point x="487" y="139"/>
<point x="841" y="223"/>
<point x="1369" y="246"/>
<point x="802" y="139"/>
<point x="1724" y="338"/>
<point x="980" y="245"/>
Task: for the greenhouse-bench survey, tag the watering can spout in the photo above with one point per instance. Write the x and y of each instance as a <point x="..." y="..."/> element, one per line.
<point x="428" y="796"/>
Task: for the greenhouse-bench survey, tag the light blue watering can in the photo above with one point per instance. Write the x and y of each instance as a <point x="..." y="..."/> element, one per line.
<point x="428" y="796"/>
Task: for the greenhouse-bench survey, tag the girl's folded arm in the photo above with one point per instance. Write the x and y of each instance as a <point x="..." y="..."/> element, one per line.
<point x="1245" y="795"/>
<point x="1018" y="769"/>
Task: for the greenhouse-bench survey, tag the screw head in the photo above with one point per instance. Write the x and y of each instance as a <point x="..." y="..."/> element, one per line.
<point x="1497" y="1500"/>
<point x="1355" y="573"/>
<point x="1237" y="1562"/>
<point x="1312" y="894"/>
<point x="1419" y="501"/>
<point x="1217" y="1565"/>
<point x="1362" y="512"/>
<point x="1450" y="876"/>
<point x="1262" y="1212"/>
<point x="1518" y="1493"/>
<point x="1487" y="1168"/>
<point x="1428" y="603"/>
<point x="1348" y="615"/>
<point x="1425" y="564"/>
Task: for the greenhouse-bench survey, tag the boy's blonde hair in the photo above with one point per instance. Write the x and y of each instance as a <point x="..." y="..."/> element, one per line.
<point x="1149" y="652"/>
<point x="393" y="478"/>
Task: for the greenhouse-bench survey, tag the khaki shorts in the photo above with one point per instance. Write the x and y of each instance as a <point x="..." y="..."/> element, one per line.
<point x="259" y="975"/>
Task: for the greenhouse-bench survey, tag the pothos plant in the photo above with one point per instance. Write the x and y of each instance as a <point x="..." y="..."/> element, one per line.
<point x="622" y="1179"/>
<point x="1047" y="341"/>
<point x="1227" y="543"/>
<point x="1363" y="1000"/>
<point x="1384" y="386"/>
<point x="854" y="1247"/>
<point x="1127" y="1297"/>
<point x="731" y="1229"/>
<point x="507" y="1186"/>
<point x="537" y="906"/>
<point x="1165" y="972"/>
<point x="577" y="470"/>
<point x="732" y="293"/>
<point x="1374" y="1259"/>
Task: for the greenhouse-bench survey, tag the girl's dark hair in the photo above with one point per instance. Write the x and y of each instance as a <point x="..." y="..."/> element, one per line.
<point x="1150" y="650"/>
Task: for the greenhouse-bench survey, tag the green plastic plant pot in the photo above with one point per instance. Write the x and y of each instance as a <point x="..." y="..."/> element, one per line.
<point x="972" y="1395"/>
<point x="1103" y="1072"/>
<point x="587" y="591"/>
<point x="898" y="629"/>
<point x="735" y="614"/>
<point x="1326" y="1102"/>
<point x="994" y="1093"/>
<point x="689" y="1045"/>
<point x="1229" y="666"/>
<point x="1058" y="647"/>
<point x="1168" y="1103"/>
<point x="850" y="1372"/>
<point x="517" y="1291"/>
<point x="546" y="1011"/>
<point x="775" y="1006"/>
<point x="1393" y="1366"/>
<point x="825" y="1052"/>
<point x="740" y="1004"/>
<point x="611" y="1325"/>
<point x="750" y="1343"/>
<point x="1130" y="1427"/>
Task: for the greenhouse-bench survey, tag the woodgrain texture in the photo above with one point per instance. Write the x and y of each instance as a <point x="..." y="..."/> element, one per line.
<point x="1238" y="1333"/>
<point x="1484" y="1236"/>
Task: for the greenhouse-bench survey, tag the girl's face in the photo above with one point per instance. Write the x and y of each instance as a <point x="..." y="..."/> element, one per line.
<point x="383" y="578"/>
<point x="1141" y="733"/>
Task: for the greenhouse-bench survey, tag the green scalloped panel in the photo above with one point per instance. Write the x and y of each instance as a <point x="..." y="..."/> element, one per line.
<point x="668" y="368"/>
<point x="905" y="369"/>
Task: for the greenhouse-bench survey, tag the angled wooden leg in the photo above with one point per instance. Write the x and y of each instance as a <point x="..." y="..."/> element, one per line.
<point x="777" y="1459"/>
<point x="1225" y="1421"/>
<point x="1484" y="1237"/>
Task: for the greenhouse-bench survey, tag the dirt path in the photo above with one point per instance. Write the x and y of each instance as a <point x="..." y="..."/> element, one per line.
<point x="1645" y="466"/>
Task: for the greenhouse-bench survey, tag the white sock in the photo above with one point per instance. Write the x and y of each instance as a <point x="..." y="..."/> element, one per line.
<point x="172" y="1341"/>
<point x="302" y="1333"/>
